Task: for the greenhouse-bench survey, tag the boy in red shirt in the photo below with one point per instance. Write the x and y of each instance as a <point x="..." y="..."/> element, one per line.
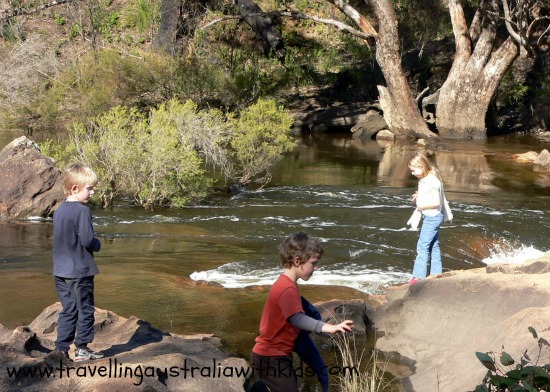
<point x="283" y="315"/>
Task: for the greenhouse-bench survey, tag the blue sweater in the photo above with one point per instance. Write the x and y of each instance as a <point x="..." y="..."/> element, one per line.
<point x="74" y="241"/>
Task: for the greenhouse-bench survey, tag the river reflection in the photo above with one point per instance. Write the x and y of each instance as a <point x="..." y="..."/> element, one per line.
<point x="354" y="196"/>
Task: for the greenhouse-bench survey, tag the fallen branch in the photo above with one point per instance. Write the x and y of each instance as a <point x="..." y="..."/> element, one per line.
<point x="300" y="16"/>
<point x="10" y="14"/>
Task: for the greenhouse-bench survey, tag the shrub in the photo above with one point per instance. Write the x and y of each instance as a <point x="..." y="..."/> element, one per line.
<point x="512" y="92"/>
<point x="141" y="157"/>
<point x="261" y="137"/>
<point x="98" y="82"/>
<point x="26" y="73"/>
<point x="110" y="145"/>
<point x="160" y="160"/>
<point x="144" y="15"/>
<point x="509" y="375"/>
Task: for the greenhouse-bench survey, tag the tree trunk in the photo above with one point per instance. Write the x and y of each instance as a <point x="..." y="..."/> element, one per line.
<point x="475" y="74"/>
<point x="263" y="27"/>
<point x="400" y="109"/>
<point x="166" y="37"/>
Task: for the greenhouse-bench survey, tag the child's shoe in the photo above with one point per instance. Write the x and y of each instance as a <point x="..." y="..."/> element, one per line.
<point x="85" y="354"/>
<point x="414" y="280"/>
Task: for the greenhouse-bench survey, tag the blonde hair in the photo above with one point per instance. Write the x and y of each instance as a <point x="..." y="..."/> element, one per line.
<point x="79" y="175"/>
<point x="299" y="245"/>
<point x="420" y="160"/>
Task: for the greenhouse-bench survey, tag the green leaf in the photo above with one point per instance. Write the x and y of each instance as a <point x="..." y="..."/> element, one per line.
<point x="533" y="332"/>
<point x="486" y="360"/>
<point x="528" y="386"/>
<point x="498" y="380"/>
<point x="506" y="359"/>
<point x="481" y="388"/>
<point x="514" y="374"/>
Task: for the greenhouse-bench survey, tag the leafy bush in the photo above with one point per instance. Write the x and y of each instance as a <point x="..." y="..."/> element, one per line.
<point x="261" y="137"/>
<point x="523" y="376"/>
<point x="511" y="91"/>
<point x="161" y="159"/>
<point x="141" y="157"/>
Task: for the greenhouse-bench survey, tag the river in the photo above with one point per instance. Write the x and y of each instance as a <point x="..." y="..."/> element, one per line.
<point x="354" y="196"/>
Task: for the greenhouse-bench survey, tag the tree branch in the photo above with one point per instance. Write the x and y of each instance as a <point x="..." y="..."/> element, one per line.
<point x="299" y="16"/>
<point x="534" y="23"/>
<point x="10" y="14"/>
<point x="518" y="37"/>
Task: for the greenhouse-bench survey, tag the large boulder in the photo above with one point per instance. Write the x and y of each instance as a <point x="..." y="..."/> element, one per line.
<point x="371" y="123"/>
<point x="138" y="357"/>
<point x="31" y="184"/>
<point x="432" y="329"/>
<point x="542" y="161"/>
<point x="337" y="118"/>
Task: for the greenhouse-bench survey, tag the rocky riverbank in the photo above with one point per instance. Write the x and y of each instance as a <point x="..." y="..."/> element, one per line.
<point x="430" y="331"/>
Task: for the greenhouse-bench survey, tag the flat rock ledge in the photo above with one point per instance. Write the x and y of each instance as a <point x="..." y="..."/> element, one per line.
<point x="138" y="357"/>
<point x="432" y="329"/>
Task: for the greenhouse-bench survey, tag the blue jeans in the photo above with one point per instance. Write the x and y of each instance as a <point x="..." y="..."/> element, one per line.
<point x="77" y="316"/>
<point x="428" y="244"/>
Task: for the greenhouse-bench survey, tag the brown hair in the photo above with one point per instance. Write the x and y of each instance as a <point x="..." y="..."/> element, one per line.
<point x="79" y="175"/>
<point x="299" y="245"/>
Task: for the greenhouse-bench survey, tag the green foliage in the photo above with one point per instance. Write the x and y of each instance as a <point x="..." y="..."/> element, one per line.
<point x="97" y="83"/>
<point x="508" y="375"/>
<point x="510" y="91"/>
<point x="261" y="137"/>
<point x="57" y="151"/>
<point x="421" y="21"/>
<point x="142" y="157"/>
<point x="59" y="19"/>
<point x="160" y="160"/>
<point x="143" y="15"/>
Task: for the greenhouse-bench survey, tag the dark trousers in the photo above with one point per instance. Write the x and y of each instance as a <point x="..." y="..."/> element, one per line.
<point x="77" y="316"/>
<point x="275" y="372"/>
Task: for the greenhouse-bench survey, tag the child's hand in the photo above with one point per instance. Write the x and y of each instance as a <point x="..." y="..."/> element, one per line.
<point x="344" y="326"/>
<point x="414" y="196"/>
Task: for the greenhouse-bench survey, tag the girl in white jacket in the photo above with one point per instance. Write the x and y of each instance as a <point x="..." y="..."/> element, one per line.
<point x="430" y="201"/>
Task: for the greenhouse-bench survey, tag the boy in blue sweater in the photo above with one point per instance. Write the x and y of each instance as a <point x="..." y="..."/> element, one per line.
<point x="74" y="266"/>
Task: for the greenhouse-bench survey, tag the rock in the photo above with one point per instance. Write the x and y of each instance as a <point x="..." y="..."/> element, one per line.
<point x="542" y="161"/>
<point x="384" y="134"/>
<point x="336" y="311"/>
<point x="336" y="118"/>
<point x="23" y="340"/>
<point x="369" y="125"/>
<point x="31" y="184"/>
<point x="138" y="357"/>
<point x="432" y="329"/>
<point x="527" y="157"/>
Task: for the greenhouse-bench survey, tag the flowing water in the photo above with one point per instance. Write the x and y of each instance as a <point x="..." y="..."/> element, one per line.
<point x="187" y="271"/>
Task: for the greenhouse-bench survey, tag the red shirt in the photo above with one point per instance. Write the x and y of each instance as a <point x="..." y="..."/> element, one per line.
<point x="277" y="335"/>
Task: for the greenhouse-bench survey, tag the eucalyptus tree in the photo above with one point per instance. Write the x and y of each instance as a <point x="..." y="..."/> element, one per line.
<point x="487" y="44"/>
<point x="484" y="53"/>
<point x="500" y="31"/>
